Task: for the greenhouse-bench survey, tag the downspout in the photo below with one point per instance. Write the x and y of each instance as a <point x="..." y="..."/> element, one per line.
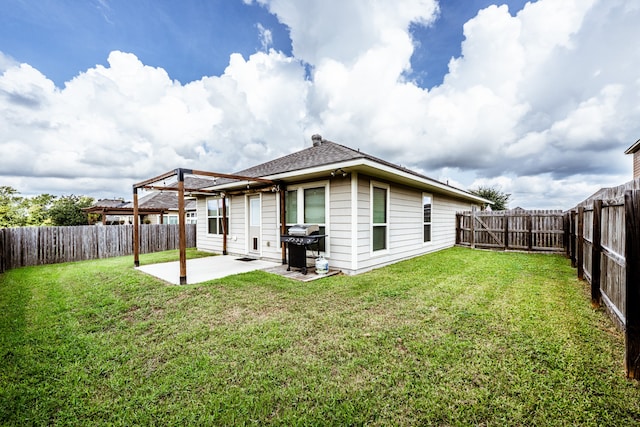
<point x="283" y="224"/>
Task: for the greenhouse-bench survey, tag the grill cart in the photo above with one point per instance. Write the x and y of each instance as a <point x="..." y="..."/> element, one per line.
<point x="298" y="240"/>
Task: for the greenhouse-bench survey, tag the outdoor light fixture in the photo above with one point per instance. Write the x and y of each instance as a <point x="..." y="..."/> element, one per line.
<point x="338" y="172"/>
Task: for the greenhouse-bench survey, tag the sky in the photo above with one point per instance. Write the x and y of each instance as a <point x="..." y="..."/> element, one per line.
<point x="539" y="99"/>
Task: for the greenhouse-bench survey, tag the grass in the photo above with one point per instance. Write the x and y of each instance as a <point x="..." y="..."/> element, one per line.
<point x="458" y="337"/>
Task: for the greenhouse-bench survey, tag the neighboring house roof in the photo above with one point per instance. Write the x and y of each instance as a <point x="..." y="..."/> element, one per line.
<point x="109" y="203"/>
<point x="155" y="202"/>
<point x="192" y="182"/>
<point x="635" y="147"/>
<point x="326" y="155"/>
<point x="166" y="200"/>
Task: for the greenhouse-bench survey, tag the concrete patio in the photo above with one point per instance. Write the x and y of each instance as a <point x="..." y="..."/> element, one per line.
<point x="215" y="267"/>
<point x="204" y="269"/>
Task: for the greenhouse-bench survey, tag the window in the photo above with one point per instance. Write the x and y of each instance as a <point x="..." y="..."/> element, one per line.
<point x="426" y="209"/>
<point x="379" y="218"/>
<point x="291" y="206"/>
<point x="170" y="219"/>
<point x="216" y="224"/>
<point x="312" y="200"/>
<point x="314" y="211"/>
<point x="192" y="218"/>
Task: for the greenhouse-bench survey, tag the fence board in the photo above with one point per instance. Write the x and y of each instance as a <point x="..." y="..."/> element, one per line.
<point x="532" y="230"/>
<point x="28" y="246"/>
<point x="617" y="228"/>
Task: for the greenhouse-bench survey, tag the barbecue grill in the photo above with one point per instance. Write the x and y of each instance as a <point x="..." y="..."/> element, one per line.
<point x="300" y="238"/>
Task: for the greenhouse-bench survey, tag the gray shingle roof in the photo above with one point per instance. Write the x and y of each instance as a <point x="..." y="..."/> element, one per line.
<point x="161" y="200"/>
<point x="326" y="153"/>
<point x="329" y="153"/>
<point x="109" y="203"/>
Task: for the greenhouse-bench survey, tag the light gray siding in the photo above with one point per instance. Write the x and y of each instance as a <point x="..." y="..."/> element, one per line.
<point x="339" y="233"/>
<point x="270" y="245"/>
<point x="405" y="224"/>
<point x="236" y="242"/>
<point x="443" y="220"/>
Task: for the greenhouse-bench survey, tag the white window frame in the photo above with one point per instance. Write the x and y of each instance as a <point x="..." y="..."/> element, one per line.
<point x="299" y="188"/>
<point x="228" y="212"/>
<point x="167" y="218"/>
<point x="191" y="218"/>
<point x="387" y="188"/>
<point x="430" y="223"/>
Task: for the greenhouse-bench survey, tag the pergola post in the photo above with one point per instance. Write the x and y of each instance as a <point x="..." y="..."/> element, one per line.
<point x="224" y="224"/>
<point x="182" y="235"/>
<point x="136" y="229"/>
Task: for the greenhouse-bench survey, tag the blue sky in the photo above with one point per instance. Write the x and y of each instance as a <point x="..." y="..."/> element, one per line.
<point x="189" y="39"/>
<point x="537" y="98"/>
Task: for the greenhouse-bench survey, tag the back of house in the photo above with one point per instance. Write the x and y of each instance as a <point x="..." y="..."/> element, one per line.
<point x="373" y="212"/>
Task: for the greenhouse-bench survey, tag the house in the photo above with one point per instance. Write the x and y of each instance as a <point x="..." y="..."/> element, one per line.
<point x="635" y="150"/>
<point x="165" y="205"/>
<point x="373" y="212"/>
<point x="109" y="211"/>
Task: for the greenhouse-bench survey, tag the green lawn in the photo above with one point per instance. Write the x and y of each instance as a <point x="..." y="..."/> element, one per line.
<point x="459" y="337"/>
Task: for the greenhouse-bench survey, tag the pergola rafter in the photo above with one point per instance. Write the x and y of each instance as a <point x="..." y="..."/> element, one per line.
<point x="152" y="184"/>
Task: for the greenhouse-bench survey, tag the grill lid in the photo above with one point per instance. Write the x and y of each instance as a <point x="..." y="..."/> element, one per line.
<point x="303" y="230"/>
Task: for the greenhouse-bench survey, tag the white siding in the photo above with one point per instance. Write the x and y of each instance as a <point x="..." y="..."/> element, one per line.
<point x="270" y="244"/>
<point x="236" y="242"/>
<point x="339" y="232"/>
<point x="364" y="220"/>
<point x="443" y="220"/>
<point x="405" y="225"/>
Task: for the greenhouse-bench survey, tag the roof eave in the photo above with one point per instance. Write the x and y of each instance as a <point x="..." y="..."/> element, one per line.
<point x="635" y="147"/>
<point x="372" y="167"/>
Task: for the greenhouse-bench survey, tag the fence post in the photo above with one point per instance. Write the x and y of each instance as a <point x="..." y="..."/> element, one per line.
<point x="2" y="250"/>
<point x="530" y="232"/>
<point x="506" y="231"/>
<point x="458" y="228"/>
<point x="596" y="251"/>
<point x="580" y="243"/>
<point x="567" y="233"/>
<point x="572" y="237"/>
<point x="632" y="256"/>
<point x="472" y="237"/>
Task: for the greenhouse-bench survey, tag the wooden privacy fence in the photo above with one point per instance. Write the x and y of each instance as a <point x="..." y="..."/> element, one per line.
<point x="26" y="246"/>
<point x="528" y="230"/>
<point x="604" y="246"/>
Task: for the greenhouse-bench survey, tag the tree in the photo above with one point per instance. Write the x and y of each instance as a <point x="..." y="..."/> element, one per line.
<point x="67" y="210"/>
<point x="12" y="212"/>
<point x="499" y="198"/>
<point x="38" y="209"/>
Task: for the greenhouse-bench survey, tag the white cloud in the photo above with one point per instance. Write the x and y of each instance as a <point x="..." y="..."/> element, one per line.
<point x="128" y="121"/>
<point x="266" y="37"/>
<point x="542" y="103"/>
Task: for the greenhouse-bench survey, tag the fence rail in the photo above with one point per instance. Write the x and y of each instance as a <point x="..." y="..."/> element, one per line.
<point x="529" y="230"/>
<point x="604" y="247"/>
<point x="27" y="246"/>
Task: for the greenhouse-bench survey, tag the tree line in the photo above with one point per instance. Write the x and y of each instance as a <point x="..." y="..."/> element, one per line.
<point x="45" y="209"/>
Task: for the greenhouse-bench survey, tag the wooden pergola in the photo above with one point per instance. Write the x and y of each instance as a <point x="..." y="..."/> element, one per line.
<point x="106" y="211"/>
<point x="259" y="185"/>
